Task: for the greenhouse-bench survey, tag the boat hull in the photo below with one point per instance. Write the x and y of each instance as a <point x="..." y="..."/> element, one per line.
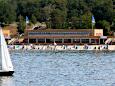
<point x="6" y="73"/>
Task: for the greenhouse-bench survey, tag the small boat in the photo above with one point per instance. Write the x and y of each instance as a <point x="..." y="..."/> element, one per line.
<point x="6" y="67"/>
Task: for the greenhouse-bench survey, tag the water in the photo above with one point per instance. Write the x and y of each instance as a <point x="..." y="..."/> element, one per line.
<point x="84" y="68"/>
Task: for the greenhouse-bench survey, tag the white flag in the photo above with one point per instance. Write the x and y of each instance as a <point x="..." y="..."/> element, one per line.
<point x="27" y="20"/>
<point x="93" y="20"/>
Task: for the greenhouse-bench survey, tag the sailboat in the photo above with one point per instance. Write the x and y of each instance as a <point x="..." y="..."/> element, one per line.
<point x="6" y="67"/>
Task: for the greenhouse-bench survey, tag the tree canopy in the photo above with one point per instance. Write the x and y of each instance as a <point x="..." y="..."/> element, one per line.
<point x="59" y="14"/>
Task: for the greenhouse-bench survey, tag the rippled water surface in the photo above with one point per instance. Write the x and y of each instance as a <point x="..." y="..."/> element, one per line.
<point x="84" y="68"/>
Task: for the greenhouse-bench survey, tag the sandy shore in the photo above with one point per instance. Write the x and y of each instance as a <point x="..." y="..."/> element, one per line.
<point x="61" y="47"/>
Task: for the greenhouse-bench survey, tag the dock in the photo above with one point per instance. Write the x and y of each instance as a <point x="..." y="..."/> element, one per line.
<point x="61" y="47"/>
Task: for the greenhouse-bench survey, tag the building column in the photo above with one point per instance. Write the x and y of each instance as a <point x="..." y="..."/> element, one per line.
<point x="45" y="40"/>
<point x="36" y="40"/>
<point x="80" y="40"/>
<point x="28" y="41"/>
<point x="54" y="40"/>
<point x="99" y="40"/>
<point x="62" y="40"/>
<point x="90" y="40"/>
<point x="71" y="40"/>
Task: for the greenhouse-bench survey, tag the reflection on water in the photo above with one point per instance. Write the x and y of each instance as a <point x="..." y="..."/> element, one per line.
<point x="34" y="68"/>
<point x="7" y="81"/>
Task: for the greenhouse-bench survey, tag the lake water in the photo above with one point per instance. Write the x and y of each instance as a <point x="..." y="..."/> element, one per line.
<point x="83" y="68"/>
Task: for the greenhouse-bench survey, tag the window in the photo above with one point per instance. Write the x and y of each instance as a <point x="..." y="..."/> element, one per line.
<point x="85" y="40"/>
<point x="59" y="33"/>
<point x="58" y="40"/>
<point x="49" y="40"/>
<point x="67" y="40"/>
<point x="76" y="40"/>
<point x="93" y="40"/>
<point x="41" y="40"/>
<point x="32" y="40"/>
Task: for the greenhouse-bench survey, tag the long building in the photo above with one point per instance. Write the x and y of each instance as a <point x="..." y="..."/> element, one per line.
<point x="64" y="36"/>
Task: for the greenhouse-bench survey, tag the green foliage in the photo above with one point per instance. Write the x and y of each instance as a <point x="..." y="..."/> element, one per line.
<point x="21" y="24"/>
<point x="59" y="13"/>
<point x="105" y="25"/>
<point x="33" y="19"/>
<point x="7" y="12"/>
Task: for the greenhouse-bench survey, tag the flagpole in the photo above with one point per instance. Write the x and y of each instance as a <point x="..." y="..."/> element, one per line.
<point x="92" y="29"/>
<point x="93" y="23"/>
<point x="27" y="21"/>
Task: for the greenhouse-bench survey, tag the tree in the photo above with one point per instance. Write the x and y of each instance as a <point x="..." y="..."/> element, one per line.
<point x="59" y="13"/>
<point x="21" y="24"/>
<point x="33" y="19"/>
<point x="105" y="25"/>
<point x="7" y="12"/>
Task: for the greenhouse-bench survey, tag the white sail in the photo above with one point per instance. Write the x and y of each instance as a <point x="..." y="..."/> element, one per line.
<point x="5" y="56"/>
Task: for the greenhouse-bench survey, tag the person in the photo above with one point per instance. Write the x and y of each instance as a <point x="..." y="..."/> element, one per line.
<point x="75" y="46"/>
<point x="85" y="46"/>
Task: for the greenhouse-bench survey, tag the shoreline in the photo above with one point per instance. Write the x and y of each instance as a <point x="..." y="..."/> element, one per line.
<point x="61" y="47"/>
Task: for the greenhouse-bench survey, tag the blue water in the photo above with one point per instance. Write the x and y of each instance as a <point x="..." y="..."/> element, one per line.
<point x="83" y="68"/>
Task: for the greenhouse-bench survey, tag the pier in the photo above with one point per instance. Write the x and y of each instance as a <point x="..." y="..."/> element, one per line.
<point x="62" y="47"/>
